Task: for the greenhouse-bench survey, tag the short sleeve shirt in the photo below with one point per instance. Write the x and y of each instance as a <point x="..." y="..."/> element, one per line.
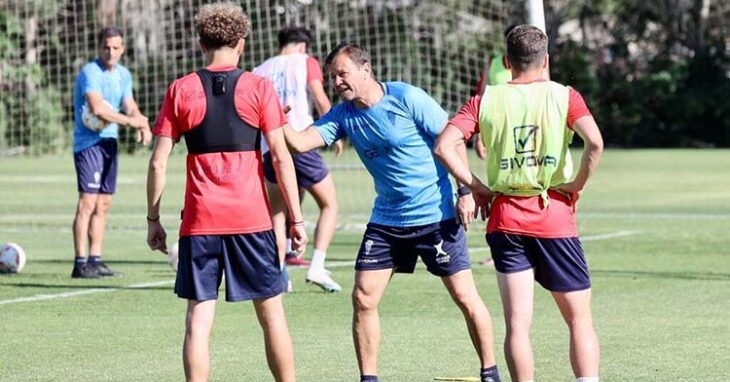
<point x="394" y="139"/>
<point x="114" y="85"/>
<point x="224" y="192"/>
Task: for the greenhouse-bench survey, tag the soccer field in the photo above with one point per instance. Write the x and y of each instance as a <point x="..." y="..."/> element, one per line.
<point x="655" y="226"/>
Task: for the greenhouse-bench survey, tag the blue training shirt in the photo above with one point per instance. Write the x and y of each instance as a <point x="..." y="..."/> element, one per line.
<point x="114" y="85"/>
<point x="394" y="139"/>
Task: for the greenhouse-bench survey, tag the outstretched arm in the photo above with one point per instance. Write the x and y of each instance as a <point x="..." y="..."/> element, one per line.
<point x="302" y="141"/>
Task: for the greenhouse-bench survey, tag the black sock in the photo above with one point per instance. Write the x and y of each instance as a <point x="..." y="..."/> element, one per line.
<point x="369" y="378"/>
<point x="94" y="260"/>
<point x="79" y="261"/>
<point x="490" y="374"/>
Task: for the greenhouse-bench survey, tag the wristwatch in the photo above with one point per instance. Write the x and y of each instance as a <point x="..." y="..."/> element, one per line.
<point x="463" y="190"/>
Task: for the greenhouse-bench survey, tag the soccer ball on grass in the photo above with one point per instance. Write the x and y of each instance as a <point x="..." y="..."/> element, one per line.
<point x="12" y="258"/>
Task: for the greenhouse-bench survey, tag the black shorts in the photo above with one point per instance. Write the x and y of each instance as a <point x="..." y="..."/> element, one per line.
<point x="559" y="264"/>
<point x="309" y="167"/>
<point x="249" y="261"/>
<point x="441" y="246"/>
<point x="96" y="168"/>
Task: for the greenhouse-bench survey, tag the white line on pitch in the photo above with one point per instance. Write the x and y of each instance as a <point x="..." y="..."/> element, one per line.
<point x="42" y="297"/>
<point x="330" y="264"/>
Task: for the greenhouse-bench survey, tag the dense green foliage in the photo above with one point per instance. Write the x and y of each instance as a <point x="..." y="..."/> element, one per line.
<point x="655" y="74"/>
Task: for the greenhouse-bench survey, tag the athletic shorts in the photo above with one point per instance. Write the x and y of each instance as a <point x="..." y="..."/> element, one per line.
<point x="441" y="246"/>
<point x="309" y="167"/>
<point x="96" y="168"/>
<point x="249" y="261"/>
<point x="559" y="264"/>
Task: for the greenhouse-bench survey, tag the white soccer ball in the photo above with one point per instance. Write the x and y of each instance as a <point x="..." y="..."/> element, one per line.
<point x="12" y="258"/>
<point x="91" y="121"/>
<point x="172" y="256"/>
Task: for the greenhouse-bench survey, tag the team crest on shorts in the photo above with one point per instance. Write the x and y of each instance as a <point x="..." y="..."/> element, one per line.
<point x="441" y="255"/>
<point x="97" y="181"/>
<point x="368" y="247"/>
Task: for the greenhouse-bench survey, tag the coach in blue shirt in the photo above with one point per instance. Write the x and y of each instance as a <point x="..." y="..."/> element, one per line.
<point x="393" y="127"/>
<point x="103" y="88"/>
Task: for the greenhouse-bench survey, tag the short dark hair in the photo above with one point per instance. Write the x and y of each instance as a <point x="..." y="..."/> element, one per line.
<point x="355" y="52"/>
<point x="109" y="32"/>
<point x="294" y="35"/>
<point x="526" y="47"/>
<point x="509" y="29"/>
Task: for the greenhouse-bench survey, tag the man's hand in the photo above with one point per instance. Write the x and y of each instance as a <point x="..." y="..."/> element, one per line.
<point x="144" y="136"/>
<point x="156" y="236"/>
<point x="483" y="199"/>
<point x="339" y="147"/>
<point x="571" y="190"/>
<point x="465" y="208"/>
<point x="139" y="121"/>
<point x="298" y="237"/>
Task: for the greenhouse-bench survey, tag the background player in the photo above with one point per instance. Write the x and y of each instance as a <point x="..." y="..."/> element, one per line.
<point x="527" y="126"/>
<point x="104" y="86"/>
<point x="298" y="81"/>
<point x="226" y="227"/>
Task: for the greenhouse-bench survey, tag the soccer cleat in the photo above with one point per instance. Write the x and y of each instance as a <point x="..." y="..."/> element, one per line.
<point x="85" y="271"/>
<point x="293" y="260"/>
<point x="324" y="281"/>
<point x="105" y="271"/>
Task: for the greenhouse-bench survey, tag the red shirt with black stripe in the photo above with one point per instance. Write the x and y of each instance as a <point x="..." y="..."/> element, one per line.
<point x="524" y="215"/>
<point x="224" y="191"/>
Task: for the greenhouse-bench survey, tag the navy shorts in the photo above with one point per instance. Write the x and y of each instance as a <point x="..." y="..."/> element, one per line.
<point x="249" y="261"/>
<point x="441" y="246"/>
<point x="309" y="167"/>
<point x="96" y="168"/>
<point x="559" y="264"/>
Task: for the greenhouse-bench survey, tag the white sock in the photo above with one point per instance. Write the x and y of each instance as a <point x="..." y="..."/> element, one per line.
<point x="288" y="245"/>
<point x="317" y="263"/>
<point x="586" y="379"/>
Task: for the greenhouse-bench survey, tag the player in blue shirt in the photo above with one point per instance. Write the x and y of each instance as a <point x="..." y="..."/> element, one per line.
<point x="104" y="87"/>
<point x="393" y="127"/>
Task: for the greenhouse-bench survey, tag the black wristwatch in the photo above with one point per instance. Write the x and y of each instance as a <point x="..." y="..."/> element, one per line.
<point x="463" y="190"/>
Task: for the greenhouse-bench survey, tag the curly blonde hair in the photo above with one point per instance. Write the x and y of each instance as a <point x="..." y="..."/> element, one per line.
<point x="222" y="24"/>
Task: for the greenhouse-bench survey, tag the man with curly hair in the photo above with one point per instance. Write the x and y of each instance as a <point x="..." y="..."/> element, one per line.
<point x="226" y="226"/>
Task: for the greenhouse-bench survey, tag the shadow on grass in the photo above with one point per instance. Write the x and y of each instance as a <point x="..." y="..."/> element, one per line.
<point x="705" y="276"/>
<point x="160" y="260"/>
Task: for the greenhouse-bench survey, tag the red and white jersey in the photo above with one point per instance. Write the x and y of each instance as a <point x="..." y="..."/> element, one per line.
<point x="290" y="74"/>
<point x="224" y="191"/>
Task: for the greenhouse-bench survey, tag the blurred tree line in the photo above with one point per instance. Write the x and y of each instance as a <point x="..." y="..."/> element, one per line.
<point x="654" y="73"/>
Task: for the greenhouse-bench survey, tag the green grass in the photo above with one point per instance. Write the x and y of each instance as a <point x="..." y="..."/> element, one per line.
<point x="661" y="294"/>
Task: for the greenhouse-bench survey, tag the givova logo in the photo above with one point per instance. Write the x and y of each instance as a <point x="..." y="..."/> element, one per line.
<point x="526" y="145"/>
<point x="525" y="138"/>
